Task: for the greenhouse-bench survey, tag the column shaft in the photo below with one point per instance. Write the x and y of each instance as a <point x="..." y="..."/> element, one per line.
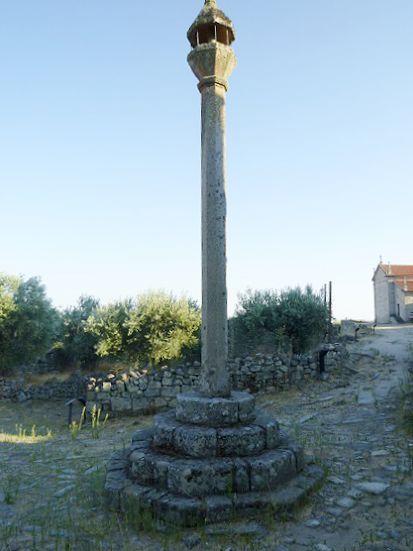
<point x="215" y="379"/>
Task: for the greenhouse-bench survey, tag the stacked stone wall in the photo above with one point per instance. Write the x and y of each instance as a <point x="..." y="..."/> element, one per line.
<point x="139" y="393"/>
<point x="19" y="391"/>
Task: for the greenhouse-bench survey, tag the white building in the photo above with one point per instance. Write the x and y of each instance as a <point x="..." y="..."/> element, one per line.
<point x="393" y="293"/>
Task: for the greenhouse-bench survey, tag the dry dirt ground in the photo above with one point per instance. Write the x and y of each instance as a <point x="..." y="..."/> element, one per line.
<point x="51" y="486"/>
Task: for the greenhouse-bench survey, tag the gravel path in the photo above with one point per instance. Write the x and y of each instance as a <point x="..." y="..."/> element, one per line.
<point x="354" y="428"/>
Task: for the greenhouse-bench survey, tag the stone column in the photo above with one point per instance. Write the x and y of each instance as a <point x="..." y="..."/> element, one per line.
<point x="215" y="380"/>
<point x="216" y="456"/>
<point x="213" y="63"/>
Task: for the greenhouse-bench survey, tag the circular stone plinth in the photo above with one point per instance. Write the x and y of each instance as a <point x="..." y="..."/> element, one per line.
<point x="277" y="479"/>
<point x="172" y="436"/>
<point x="191" y="477"/>
<point x="196" y="409"/>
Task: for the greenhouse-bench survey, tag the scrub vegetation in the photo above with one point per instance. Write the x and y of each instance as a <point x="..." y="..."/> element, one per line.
<point x="143" y="332"/>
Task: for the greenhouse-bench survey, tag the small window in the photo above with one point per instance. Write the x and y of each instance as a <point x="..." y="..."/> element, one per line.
<point x="205" y="34"/>
<point x="223" y="35"/>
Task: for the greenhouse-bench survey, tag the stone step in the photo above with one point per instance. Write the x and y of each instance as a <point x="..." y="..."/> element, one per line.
<point x="137" y="500"/>
<point x="221" y="476"/>
<point x="195" y="409"/>
<point x="199" y="441"/>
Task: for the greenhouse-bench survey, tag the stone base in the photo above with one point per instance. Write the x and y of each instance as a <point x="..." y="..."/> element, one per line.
<point x="196" y="409"/>
<point x="136" y="499"/>
<point x="190" y="474"/>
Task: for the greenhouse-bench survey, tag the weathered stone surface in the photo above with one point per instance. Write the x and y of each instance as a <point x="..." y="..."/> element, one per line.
<point x="215" y="412"/>
<point x="218" y="509"/>
<point x="120" y="403"/>
<point x="272" y="469"/>
<point x="142" y="467"/>
<point x="180" y="511"/>
<point x="195" y="441"/>
<point x="271" y="429"/>
<point x="241" y="479"/>
<point x="202" y="441"/>
<point x="201" y="478"/>
<point x="217" y="476"/>
<point x="165" y="426"/>
<point x="143" y="436"/>
<point x="192" y="511"/>
<point x="240" y="441"/>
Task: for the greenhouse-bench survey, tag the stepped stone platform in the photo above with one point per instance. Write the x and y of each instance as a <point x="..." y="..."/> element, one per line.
<point x="210" y="460"/>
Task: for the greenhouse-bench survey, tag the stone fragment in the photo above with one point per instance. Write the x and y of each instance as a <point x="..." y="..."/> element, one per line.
<point x="312" y="523"/>
<point x="379" y="453"/>
<point x="366" y="398"/>
<point x="346" y="502"/>
<point x="64" y="491"/>
<point x="335" y="480"/>
<point x="375" y="488"/>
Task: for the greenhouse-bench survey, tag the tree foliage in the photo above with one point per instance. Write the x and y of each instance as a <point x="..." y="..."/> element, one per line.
<point x="75" y="345"/>
<point x="293" y="316"/>
<point x="28" y="322"/>
<point x="108" y="326"/>
<point x="155" y="327"/>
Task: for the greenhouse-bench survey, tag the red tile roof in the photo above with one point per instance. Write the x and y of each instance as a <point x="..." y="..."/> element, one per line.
<point x="397" y="270"/>
<point x="405" y="285"/>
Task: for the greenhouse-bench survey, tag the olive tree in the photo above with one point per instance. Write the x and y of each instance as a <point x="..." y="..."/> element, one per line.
<point x="28" y="321"/>
<point x="153" y="328"/>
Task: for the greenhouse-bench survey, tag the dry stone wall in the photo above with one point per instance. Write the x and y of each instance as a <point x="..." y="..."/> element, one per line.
<point x="19" y="391"/>
<point x="135" y="393"/>
<point x="139" y="393"/>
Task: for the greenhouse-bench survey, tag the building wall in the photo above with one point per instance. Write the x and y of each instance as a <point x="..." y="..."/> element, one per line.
<point x="381" y="297"/>
<point x="408" y="299"/>
<point x="400" y="300"/>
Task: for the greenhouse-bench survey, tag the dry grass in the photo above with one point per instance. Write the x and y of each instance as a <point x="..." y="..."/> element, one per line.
<point x="23" y="437"/>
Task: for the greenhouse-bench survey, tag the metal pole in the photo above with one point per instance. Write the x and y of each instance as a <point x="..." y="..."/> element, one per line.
<point x="330" y="311"/>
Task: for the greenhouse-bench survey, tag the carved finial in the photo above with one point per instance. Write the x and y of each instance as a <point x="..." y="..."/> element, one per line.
<point x="211" y="3"/>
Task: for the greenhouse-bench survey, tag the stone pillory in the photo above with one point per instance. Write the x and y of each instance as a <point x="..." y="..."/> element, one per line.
<point x="212" y="60"/>
<point x="216" y="456"/>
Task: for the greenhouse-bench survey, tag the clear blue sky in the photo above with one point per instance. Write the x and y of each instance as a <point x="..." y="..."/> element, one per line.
<point x="100" y="146"/>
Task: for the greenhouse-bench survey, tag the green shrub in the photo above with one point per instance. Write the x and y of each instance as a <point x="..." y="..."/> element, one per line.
<point x="291" y="319"/>
<point x="28" y="322"/>
<point x="303" y="317"/>
<point x="156" y="327"/>
<point x="108" y="326"/>
<point x="75" y="345"/>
